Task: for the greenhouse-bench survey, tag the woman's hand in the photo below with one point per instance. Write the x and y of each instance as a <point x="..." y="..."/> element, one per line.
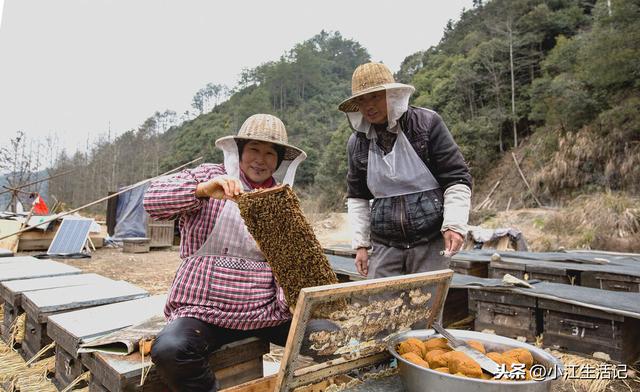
<point x="222" y="187"/>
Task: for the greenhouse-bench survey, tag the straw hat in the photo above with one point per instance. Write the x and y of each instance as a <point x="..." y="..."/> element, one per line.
<point x="264" y="128"/>
<point x="368" y="78"/>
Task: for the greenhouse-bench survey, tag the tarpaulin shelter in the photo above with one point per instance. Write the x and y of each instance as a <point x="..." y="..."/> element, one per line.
<point x="126" y="218"/>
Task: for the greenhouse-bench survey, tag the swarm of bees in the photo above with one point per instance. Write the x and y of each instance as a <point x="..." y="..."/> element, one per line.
<point x="287" y="241"/>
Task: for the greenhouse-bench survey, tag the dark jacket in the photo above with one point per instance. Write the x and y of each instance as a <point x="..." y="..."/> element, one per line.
<point x="405" y="221"/>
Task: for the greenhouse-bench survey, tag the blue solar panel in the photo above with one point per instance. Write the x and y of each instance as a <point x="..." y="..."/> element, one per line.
<point x="71" y="237"/>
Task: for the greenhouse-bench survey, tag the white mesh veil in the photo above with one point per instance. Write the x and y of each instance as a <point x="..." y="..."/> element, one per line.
<point x="285" y="174"/>
<point x="397" y="104"/>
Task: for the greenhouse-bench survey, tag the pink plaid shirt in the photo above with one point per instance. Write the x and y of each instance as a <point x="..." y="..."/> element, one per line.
<point x="224" y="290"/>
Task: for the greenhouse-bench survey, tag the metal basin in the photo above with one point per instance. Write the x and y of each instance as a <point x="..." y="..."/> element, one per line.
<point x="419" y="379"/>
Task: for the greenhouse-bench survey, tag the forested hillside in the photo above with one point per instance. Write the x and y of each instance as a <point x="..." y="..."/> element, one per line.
<point x="556" y="81"/>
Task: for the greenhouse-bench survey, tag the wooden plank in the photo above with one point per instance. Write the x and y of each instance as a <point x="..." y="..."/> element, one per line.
<point x="340" y="250"/>
<point x="42" y="303"/>
<point x="319" y="372"/>
<point x="11" y="291"/>
<point x="238" y="352"/>
<point x="70" y="329"/>
<point x="35" y="269"/>
<point x="265" y="384"/>
<point x="239" y="373"/>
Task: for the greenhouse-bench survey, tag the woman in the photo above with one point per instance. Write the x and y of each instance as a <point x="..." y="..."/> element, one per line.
<point x="224" y="289"/>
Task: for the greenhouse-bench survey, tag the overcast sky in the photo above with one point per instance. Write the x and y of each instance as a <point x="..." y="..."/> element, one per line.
<point x="72" y="67"/>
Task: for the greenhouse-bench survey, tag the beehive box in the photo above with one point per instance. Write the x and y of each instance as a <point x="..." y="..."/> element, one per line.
<point x="13" y="269"/>
<point x="506" y="313"/>
<point x="584" y="330"/>
<point x="70" y="329"/>
<point x="611" y="281"/>
<point x="160" y="233"/>
<point x="40" y="304"/>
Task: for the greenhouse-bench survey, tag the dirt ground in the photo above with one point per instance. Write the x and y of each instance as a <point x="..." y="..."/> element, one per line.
<point x="152" y="271"/>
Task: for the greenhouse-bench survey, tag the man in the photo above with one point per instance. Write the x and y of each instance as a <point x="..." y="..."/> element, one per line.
<point x="224" y="289"/>
<point x="405" y="159"/>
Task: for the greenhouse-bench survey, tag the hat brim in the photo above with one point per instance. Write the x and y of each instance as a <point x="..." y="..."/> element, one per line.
<point x="290" y="152"/>
<point x="348" y="105"/>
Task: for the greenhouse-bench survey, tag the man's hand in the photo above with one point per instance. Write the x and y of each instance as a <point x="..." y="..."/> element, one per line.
<point x="223" y="187"/>
<point x="452" y="242"/>
<point x="362" y="261"/>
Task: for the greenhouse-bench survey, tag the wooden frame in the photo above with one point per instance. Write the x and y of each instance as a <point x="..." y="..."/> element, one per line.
<point x="290" y="378"/>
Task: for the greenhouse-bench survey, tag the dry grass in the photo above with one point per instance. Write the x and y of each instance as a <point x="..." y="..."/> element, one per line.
<point x="33" y="378"/>
<point x="586" y="159"/>
<point x="606" y="221"/>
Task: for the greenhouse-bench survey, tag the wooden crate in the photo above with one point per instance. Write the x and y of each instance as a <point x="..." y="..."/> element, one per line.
<point x="610" y="281"/>
<point x="506" y="313"/>
<point x="160" y="233"/>
<point x="233" y="364"/>
<point x="580" y="329"/>
<point x="40" y="304"/>
<point x="136" y="245"/>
